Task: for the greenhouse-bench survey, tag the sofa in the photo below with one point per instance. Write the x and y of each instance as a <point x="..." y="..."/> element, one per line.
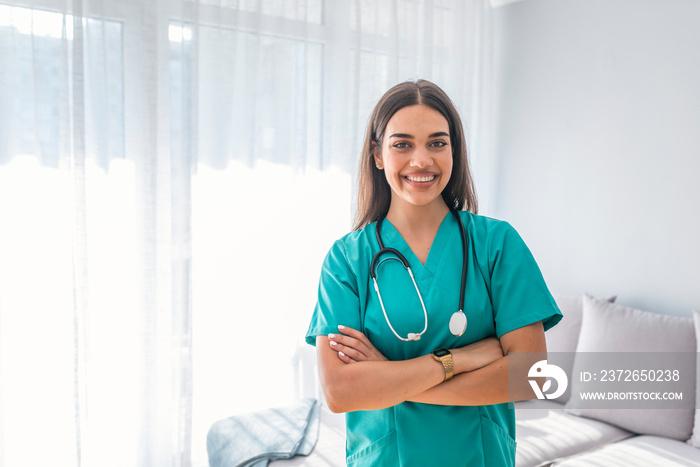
<point x="560" y="433"/>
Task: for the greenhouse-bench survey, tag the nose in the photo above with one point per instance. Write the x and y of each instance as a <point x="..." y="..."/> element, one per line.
<point x="421" y="158"/>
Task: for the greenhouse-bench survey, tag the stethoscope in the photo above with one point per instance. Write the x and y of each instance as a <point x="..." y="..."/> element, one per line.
<point x="458" y="321"/>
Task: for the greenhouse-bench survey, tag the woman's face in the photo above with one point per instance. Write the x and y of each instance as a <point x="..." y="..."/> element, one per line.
<point x="416" y="155"/>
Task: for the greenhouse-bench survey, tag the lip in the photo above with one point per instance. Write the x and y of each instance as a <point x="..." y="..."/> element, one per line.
<point x="417" y="176"/>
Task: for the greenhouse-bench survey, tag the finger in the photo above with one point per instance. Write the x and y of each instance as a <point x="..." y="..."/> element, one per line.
<point x="348" y="351"/>
<point x="350" y="342"/>
<point x="360" y="342"/>
<point x="345" y="358"/>
<point x="354" y="333"/>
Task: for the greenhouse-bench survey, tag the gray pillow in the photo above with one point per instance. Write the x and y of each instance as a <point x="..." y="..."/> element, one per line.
<point x="607" y="327"/>
<point x="564" y="336"/>
<point x="695" y="440"/>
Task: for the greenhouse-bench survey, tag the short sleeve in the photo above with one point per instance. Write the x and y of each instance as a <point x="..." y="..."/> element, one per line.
<point x="519" y="295"/>
<point x="338" y="300"/>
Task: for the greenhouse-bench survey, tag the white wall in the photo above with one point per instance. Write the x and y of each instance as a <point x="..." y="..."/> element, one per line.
<point x="597" y="134"/>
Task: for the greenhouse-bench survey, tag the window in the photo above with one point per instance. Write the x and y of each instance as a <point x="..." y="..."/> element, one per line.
<point x="172" y="175"/>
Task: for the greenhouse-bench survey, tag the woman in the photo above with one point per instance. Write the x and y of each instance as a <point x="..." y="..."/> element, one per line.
<point x="383" y="352"/>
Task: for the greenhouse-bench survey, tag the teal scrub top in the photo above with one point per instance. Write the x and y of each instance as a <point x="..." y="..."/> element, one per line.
<point x="505" y="291"/>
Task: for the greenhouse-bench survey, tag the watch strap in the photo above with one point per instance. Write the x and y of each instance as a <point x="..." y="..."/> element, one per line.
<point x="447" y="364"/>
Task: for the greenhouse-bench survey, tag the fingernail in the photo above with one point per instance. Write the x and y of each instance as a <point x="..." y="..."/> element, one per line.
<point x="341" y="354"/>
<point x="331" y="336"/>
<point x="333" y="343"/>
<point x="340" y="326"/>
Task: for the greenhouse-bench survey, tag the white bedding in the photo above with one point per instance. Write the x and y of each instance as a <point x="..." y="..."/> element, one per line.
<point x="330" y="448"/>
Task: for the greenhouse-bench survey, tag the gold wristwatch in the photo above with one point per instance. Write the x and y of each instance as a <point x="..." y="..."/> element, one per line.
<point x="445" y="357"/>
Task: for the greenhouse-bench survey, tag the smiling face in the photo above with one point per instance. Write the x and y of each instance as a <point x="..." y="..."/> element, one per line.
<point x="416" y="156"/>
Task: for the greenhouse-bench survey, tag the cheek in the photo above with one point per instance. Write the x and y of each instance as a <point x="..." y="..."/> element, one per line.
<point x="391" y="167"/>
<point x="448" y="166"/>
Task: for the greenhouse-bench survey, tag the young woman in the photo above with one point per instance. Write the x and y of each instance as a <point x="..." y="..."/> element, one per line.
<point x="423" y="378"/>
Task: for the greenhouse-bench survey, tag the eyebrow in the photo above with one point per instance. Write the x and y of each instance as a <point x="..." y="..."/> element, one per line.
<point x="406" y="135"/>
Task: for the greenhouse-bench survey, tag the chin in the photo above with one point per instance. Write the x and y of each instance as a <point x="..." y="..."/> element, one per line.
<point x="422" y="201"/>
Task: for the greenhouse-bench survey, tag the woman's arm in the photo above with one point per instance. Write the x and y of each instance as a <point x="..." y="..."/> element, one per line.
<point x="489" y="385"/>
<point x="483" y="374"/>
<point x="372" y="382"/>
<point x="371" y="385"/>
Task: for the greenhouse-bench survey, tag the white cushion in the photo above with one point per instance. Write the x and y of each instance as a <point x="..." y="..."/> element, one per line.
<point x="695" y="439"/>
<point x="546" y="432"/>
<point x="639" y="451"/>
<point x="563" y="338"/>
<point x="608" y="327"/>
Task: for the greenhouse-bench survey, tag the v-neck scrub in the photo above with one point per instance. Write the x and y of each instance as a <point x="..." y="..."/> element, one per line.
<point x="505" y="291"/>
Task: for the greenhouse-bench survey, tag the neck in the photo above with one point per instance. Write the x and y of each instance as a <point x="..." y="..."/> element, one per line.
<point x="408" y="217"/>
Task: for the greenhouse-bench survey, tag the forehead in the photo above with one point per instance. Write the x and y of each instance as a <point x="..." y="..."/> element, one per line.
<point x="417" y="120"/>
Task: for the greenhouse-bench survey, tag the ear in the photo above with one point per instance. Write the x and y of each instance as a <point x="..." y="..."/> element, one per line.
<point x="377" y="156"/>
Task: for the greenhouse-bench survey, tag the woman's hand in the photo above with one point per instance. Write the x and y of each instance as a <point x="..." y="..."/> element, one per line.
<point x="353" y="346"/>
<point x="477" y="355"/>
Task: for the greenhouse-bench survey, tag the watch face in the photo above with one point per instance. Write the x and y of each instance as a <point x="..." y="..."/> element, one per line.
<point x="441" y="352"/>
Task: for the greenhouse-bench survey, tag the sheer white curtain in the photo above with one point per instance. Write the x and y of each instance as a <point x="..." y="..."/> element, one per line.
<point x="171" y="175"/>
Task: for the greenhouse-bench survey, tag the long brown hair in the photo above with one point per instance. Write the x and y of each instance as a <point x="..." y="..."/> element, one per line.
<point x="374" y="193"/>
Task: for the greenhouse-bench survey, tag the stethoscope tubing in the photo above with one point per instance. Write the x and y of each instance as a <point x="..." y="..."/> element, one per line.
<point x="411" y="336"/>
<point x="376" y="262"/>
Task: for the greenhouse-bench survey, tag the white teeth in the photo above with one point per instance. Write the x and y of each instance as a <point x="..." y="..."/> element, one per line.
<point x="429" y="178"/>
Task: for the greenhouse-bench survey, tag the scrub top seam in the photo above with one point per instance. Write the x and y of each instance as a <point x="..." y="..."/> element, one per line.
<point x="443" y="256"/>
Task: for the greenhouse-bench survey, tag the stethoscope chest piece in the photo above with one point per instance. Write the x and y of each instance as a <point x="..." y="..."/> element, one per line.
<point x="458" y="323"/>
